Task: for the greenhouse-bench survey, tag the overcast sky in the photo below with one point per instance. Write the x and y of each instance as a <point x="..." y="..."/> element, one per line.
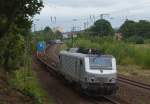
<point x="67" y="10"/>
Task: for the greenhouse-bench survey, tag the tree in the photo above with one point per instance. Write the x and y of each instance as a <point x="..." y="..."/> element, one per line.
<point x="47" y="34"/>
<point x="58" y="33"/>
<point x="102" y="28"/>
<point x="48" y="29"/>
<point x="143" y="29"/>
<point x="17" y="13"/>
<point x="131" y="29"/>
<point x="15" y="23"/>
<point x="128" y="28"/>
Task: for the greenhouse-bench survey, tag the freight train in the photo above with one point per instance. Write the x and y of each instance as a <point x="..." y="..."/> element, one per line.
<point x="91" y="71"/>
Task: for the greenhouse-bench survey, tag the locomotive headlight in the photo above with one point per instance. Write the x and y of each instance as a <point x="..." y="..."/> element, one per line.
<point x="112" y="80"/>
<point x="92" y="79"/>
<point x="89" y="79"/>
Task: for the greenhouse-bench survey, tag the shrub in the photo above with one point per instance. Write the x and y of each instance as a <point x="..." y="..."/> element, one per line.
<point x="26" y="81"/>
<point x="136" y="39"/>
<point x="139" y="40"/>
<point x="147" y="41"/>
<point x="124" y="52"/>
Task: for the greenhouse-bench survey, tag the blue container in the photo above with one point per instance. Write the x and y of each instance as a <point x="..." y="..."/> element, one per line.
<point x="41" y="46"/>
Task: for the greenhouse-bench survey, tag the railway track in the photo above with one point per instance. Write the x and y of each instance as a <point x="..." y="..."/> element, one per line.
<point x="111" y="100"/>
<point x="52" y="66"/>
<point x="123" y="79"/>
<point x="94" y="101"/>
<point x="108" y="100"/>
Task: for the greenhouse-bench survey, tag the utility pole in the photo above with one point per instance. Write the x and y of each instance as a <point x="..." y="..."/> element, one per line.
<point x="102" y="17"/>
<point x="34" y="27"/>
<point x="94" y="18"/>
<point x="72" y="33"/>
<point x="53" y="19"/>
<point x="73" y="29"/>
<point x="87" y="24"/>
<point x="90" y="17"/>
<point x="126" y="18"/>
<point x="103" y="14"/>
<point x="84" y="25"/>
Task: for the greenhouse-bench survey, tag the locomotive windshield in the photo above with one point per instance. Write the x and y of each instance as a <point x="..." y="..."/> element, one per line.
<point x="100" y="62"/>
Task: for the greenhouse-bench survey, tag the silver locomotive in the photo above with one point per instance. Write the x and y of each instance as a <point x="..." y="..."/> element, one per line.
<point x="93" y="73"/>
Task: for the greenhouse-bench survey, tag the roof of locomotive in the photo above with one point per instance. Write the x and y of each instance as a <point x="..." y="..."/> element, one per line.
<point x="74" y="54"/>
<point x="82" y="55"/>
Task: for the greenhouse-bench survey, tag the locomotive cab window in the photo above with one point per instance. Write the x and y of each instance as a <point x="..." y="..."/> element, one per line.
<point x="100" y="62"/>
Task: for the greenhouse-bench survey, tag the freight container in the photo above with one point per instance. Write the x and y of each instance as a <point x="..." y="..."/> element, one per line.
<point x="41" y="46"/>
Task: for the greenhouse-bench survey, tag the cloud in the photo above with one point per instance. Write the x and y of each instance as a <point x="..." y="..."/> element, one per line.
<point x="95" y="3"/>
<point x="66" y="10"/>
<point x="83" y="3"/>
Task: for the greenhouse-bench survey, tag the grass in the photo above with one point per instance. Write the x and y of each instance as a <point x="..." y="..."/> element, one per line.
<point x="135" y="71"/>
<point x="132" y="59"/>
<point x="26" y="81"/>
<point x="141" y="45"/>
<point x="125" y="53"/>
<point x="63" y="47"/>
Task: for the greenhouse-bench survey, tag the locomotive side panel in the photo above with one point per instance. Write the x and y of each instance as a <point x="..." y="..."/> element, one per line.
<point x="94" y="74"/>
<point x="70" y="67"/>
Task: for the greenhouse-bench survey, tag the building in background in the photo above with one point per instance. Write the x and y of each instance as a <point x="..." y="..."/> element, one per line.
<point x="58" y="28"/>
<point x="118" y="36"/>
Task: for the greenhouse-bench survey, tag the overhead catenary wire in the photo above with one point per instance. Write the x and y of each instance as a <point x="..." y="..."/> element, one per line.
<point x="87" y="21"/>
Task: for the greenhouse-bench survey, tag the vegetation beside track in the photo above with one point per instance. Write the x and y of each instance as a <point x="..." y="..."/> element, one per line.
<point x="25" y="80"/>
<point x="132" y="59"/>
<point x="10" y="95"/>
<point x="125" y="53"/>
<point x="16" y="47"/>
<point x="135" y="72"/>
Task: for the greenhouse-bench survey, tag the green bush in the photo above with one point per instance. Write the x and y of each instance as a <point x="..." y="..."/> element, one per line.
<point x="142" y="57"/>
<point x="136" y="40"/>
<point x="12" y="50"/>
<point x="25" y="80"/>
<point x="124" y="52"/>
<point x="147" y="41"/>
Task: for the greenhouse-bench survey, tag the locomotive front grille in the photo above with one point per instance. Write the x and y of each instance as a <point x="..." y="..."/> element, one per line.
<point x="100" y="68"/>
<point x="101" y="79"/>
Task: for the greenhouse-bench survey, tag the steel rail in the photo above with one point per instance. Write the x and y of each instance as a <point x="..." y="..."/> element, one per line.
<point x="111" y="100"/>
<point x="108" y="99"/>
<point x="133" y="82"/>
<point x="94" y="101"/>
<point x="45" y="63"/>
